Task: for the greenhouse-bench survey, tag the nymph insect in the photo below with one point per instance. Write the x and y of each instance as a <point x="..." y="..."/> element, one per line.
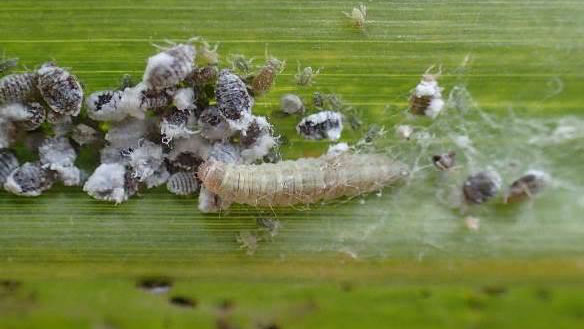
<point x="61" y="90"/>
<point x="264" y="79"/>
<point x="291" y="104"/>
<point x="8" y="162"/>
<point x="527" y="186"/>
<point x="169" y="67"/>
<point x="426" y="98"/>
<point x="233" y="100"/>
<point x="303" y="181"/>
<point x="321" y="125"/>
<point x="305" y="76"/>
<point x="444" y="161"/>
<point x="213" y="125"/>
<point x="182" y="183"/>
<point x="30" y="179"/>
<point x="241" y="64"/>
<point x="358" y="16"/>
<point x="481" y="187"/>
<point x="18" y="87"/>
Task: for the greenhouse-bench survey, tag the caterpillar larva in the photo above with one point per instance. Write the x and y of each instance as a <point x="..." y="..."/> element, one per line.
<point x="303" y="181"/>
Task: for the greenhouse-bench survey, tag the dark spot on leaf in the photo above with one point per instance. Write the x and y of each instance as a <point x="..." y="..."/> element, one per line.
<point x="155" y="284"/>
<point x="425" y="293"/>
<point x="10" y="285"/>
<point x="226" y="305"/>
<point x="183" y="301"/>
<point x="346" y="286"/>
<point x="543" y="294"/>
<point x="494" y="290"/>
<point x="474" y="301"/>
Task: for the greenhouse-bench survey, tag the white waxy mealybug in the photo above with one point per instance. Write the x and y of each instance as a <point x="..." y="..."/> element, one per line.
<point x="128" y="133"/>
<point x="169" y="67"/>
<point x="257" y="140"/>
<point x="291" y="104"/>
<point x="83" y="134"/>
<point x="30" y="179"/>
<point x="213" y="125"/>
<point x="109" y="182"/>
<point x="426" y="98"/>
<point x="481" y="187"/>
<point x="7" y="133"/>
<point x="60" y="89"/>
<point x="404" y="131"/>
<point x="145" y="160"/>
<point x="321" y="125"/>
<point x="57" y="155"/>
<point x="177" y="124"/>
<point x="233" y="100"/>
<point x="338" y="149"/>
<point x="303" y="181"/>
<point x="8" y="162"/>
<point x="189" y="153"/>
<point x="184" y="99"/>
<point x="182" y="183"/>
<point x="358" y="16"/>
<point x="527" y="186"/>
<point x="27" y="116"/>
<point x="18" y="87"/>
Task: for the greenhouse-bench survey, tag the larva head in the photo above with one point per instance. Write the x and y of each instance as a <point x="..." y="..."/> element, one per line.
<point x="211" y="173"/>
<point x="60" y="90"/>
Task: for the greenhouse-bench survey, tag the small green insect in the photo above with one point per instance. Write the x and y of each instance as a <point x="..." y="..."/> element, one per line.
<point x="305" y="76"/>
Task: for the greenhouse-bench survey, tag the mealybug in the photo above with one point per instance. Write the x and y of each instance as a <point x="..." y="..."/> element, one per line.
<point x="30" y="179"/>
<point x="305" y="76"/>
<point x="57" y="154"/>
<point x="8" y="162"/>
<point x="426" y="98"/>
<point x="444" y="161"/>
<point x="358" y="16"/>
<point x="18" y="87"/>
<point x="291" y="104"/>
<point x="182" y="183"/>
<point x="481" y="187"/>
<point x="321" y="125"/>
<point x="109" y="182"/>
<point x="404" y="131"/>
<point x="61" y="90"/>
<point x="257" y="140"/>
<point x="213" y="125"/>
<point x="527" y="186"/>
<point x="233" y="100"/>
<point x="264" y="79"/>
<point x="176" y="124"/>
<point x="169" y="67"/>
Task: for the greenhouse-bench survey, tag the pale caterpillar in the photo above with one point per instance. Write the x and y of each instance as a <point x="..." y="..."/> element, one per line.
<point x="303" y="181"/>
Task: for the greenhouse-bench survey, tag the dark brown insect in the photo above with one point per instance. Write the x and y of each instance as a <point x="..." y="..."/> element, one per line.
<point x="481" y="187"/>
<point x="264" y="79"/>
<point x="526" y="186"/>
<point x="444" y="161"/>
<point x="61" y="90"/>
<point x="419" y="104"/>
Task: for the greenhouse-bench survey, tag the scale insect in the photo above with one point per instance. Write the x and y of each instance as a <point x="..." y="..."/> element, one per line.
<point x="169" y="67"/>
<point x="60" y="89"/>
<point x="303" y="181"/>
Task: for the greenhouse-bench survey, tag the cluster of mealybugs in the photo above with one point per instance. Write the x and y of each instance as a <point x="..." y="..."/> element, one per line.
<point x="44" y="100"/>
<point x="185" y="111"/>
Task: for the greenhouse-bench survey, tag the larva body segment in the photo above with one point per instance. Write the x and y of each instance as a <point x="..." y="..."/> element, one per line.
<point x="17" y="87"/>
<point x="303" y="181"/>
